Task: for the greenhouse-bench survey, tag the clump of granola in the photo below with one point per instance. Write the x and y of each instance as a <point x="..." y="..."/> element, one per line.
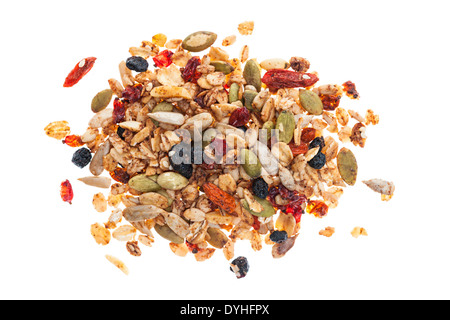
<point x="206" y="149"/>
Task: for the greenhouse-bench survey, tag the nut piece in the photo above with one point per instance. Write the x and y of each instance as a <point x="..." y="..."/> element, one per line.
<point x="327" y="232"/>
<point x="246" y="28"/>
<point x="299" y="64"/>
<point x="358" y="231"/>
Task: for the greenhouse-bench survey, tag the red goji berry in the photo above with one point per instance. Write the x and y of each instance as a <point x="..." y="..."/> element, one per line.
<point x="80" y="70"/>
<point x="298" y="149"/>
<point x="281" y="78"/>
<point x="66" y="191"/>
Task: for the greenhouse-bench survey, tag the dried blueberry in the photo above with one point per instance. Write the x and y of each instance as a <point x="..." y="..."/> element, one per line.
<point x="120" y="132"/>
<point x="318" y="161"/>
<point x="240" y="267"/>
<point x="278" y="236"/>
<point x="260" y="188"/>
<point x="317" y="142"/>
<point x="180" y="159"/>
<point x="82" y="157"/>
<point x="137" y="64"/>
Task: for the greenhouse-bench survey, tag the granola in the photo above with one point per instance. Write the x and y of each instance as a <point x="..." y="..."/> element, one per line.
<point x="186" y="141"/>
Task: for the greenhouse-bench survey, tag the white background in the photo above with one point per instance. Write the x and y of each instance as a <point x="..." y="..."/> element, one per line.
<point x="395" y="51"/>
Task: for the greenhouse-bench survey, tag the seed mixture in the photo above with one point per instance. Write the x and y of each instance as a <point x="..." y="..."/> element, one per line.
<point x="205" y="149"/>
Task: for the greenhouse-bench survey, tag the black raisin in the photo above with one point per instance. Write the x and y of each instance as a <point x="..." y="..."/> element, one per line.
<point x="120" y="132"/>
<point x="180" y="159"/>
<point x="260" y="188"/>
<point x="318" y="161"/>
<point x="137" y="64"/>
<point x="317" y="142"/>
<point x="82" y="157"/>
<point x="240" y="267"/>
<point x="278" y="236"/>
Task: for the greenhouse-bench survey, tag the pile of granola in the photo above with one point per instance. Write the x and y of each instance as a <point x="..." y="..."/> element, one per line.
<point x="205" y="150"/>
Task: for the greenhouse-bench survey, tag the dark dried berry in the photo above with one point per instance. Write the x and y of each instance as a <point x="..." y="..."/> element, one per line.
<point x="137" y="64"/>
<point x="278" y="236"/>
<point x="120" y="132"/>
<point x="239" y="117"/>
<point x="180" y="159"/>
<point x="317" y="142"/>
<point x="318" y="161"/>
<point x="240" y="267"/>
<point x="260" y="188"/>
<point x="82" y="157"/>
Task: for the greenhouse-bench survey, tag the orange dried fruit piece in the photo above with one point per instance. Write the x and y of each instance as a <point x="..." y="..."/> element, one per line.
<point x="219" y="197"/>
<point x="159" y="39"/>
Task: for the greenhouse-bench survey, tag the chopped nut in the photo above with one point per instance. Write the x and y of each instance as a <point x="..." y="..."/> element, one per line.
<point x="358" y="231"/>
<point x="327" y="232"/>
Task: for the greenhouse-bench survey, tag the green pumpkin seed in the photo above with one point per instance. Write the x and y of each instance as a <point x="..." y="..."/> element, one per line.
<point x="285" y="126"/>
<point x="233" y="93"/>
<point x="250" y="163"/>
<point x="311" y="102"/>
<point x="165" y="194"/>
<point x="252" y="74"/>
<point x="268" y="125"/>
<point x="249" y="96"/>
<point x="172" y="181"/>
<point x="218" y="238"/>
<point x="101" y="100"/>
<point x="143" y="183"/>
<point x="199" y="41"/>
<point x="347" y="166"/>
<point x="267" y="211"/>
<point x="168" y="234"/>
<point x="222" y="66"/>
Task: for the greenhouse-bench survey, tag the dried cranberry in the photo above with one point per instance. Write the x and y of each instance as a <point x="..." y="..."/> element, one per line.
<point x="294" y="206"/>
<point x="119" y="110"/>
<point x="132" y="93"/>
<point x="190" y="73"/>
<point x="239" y="117"/>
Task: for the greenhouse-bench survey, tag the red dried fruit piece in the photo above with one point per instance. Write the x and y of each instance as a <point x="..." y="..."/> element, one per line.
<point x="294" y="206"/>
<point x="308" y="134"/>
<point x="219" y="146"/>
<point x="350" y="90"/>
<point x="281" y="78"/>
<point x="119" y="110"/>
<point x="190" y="73"/>
<point x="73" y="140"/>
<point x="80" y="70"/>
<point x="66" y="191"/>
<point x="163" y="59"/>
<point x="239" y="117"/>
<point x="318" y="208"/>
<point x="256" y="224"/>
<point x="219" y="197"/>
<point x="330" y="102"/>
<point x="296" y="150"/>
<point x="132" y="93"/>
<point x="120" y="175"/>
